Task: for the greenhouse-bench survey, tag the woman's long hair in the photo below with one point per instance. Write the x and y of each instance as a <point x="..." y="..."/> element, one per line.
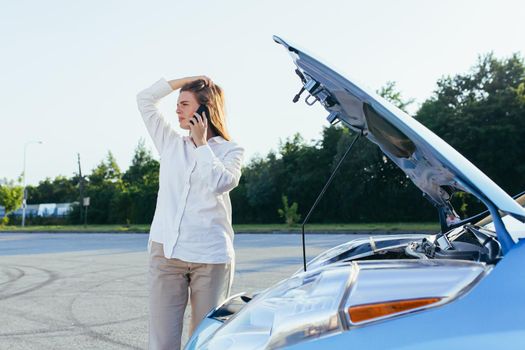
<point x="213" y="97"/>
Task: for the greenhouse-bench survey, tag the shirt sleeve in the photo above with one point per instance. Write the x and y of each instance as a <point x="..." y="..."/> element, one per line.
<point x="220" y="175"/>
<point x="158" y="127"/>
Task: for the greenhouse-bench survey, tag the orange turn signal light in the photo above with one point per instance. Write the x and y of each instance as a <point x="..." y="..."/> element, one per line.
<point x="366" y="312"/>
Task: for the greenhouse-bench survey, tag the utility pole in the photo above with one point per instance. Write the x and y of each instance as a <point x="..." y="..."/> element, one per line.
<point x="81" y="187"/>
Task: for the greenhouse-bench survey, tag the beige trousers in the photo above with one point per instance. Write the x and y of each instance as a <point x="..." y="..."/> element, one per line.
<point x="170" y="282"/>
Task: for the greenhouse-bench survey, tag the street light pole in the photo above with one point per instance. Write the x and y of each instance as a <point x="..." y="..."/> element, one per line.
<point x="24" y="200"/>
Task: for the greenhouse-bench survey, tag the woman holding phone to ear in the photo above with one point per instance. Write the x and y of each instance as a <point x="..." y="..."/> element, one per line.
<point x="190" y="245"/>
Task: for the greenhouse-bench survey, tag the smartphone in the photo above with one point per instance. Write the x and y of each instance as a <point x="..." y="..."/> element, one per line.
<point x="203" y="108"/>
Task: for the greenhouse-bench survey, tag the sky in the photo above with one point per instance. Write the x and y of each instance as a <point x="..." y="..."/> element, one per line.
<point x="70" y="70"/>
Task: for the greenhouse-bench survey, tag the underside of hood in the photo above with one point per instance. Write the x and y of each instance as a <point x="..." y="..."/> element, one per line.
<point x="432" y="164"/>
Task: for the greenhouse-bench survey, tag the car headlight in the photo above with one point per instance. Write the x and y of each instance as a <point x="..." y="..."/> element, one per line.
<point x="386" y="290"/>
<point x="303" y="307"/>
<point x="339" y="297"/>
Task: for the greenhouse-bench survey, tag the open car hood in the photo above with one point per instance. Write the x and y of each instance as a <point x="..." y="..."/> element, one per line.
<point x="431" y="163"/>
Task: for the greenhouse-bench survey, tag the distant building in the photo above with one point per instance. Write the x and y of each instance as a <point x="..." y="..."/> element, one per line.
<point x="47" y="209"/>
<point x="63" y="209"/>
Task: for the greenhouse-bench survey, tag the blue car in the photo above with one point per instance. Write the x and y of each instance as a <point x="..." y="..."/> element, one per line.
<point x="461" y="288"/>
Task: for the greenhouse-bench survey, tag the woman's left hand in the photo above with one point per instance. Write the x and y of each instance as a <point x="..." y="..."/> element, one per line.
<point x="199" y="129"/>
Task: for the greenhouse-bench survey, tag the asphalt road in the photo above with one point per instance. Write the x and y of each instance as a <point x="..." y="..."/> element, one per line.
<point x="89" y="291"/>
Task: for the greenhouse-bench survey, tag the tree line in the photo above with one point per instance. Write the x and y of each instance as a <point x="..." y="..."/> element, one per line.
<point x="481" y="113"/>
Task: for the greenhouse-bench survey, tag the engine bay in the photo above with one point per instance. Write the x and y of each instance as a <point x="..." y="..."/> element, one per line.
<point x="469" y="242"/>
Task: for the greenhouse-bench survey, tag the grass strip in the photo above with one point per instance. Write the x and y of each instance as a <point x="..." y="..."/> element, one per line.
<point x="248" y="228"/>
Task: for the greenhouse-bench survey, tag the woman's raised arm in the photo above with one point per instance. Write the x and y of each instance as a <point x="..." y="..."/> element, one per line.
<point x="158" y="127"/>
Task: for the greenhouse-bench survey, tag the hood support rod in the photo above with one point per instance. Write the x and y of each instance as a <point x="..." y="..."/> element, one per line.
<point x="322" y="193"/>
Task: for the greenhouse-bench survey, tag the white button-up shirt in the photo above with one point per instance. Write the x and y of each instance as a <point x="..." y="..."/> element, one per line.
<point x="193" y="216"/>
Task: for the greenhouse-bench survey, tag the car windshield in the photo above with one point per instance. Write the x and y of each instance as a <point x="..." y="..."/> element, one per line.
<point x="515" y="227"/>
<point x="488" y="219"/>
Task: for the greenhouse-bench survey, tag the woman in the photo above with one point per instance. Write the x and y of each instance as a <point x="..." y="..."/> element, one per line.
<point x="191" y="237"/>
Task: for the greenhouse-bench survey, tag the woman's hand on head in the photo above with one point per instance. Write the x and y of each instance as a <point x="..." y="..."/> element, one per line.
<point x="199" y="129"/>
<point x="208" y="81"/>
<point x="178" y="83"/>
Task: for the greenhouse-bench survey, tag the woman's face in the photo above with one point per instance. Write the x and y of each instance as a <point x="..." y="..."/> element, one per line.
<point x="187" y="105"/>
